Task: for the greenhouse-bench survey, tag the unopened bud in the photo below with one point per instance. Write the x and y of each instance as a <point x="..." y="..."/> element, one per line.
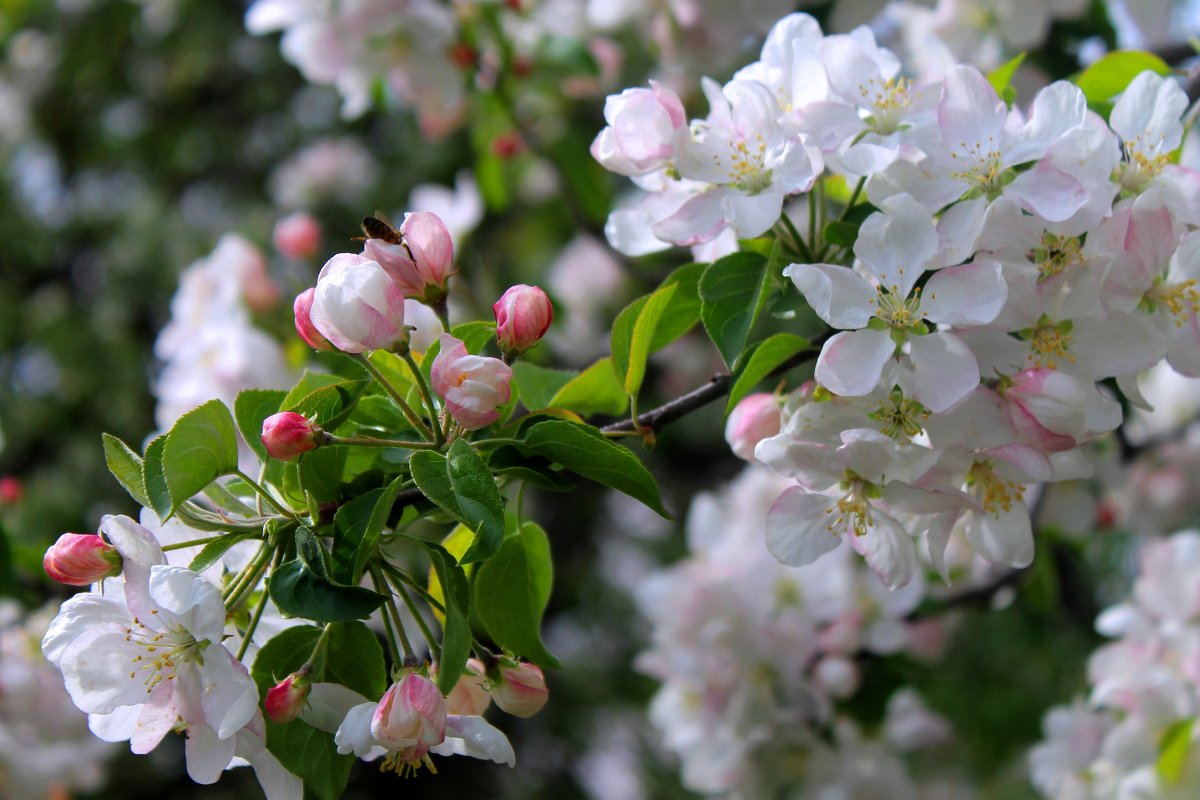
<point x="304" y="326"/>
<point x="286" y="699"/>
<point x="79" y="559"/>
<point x="523" y="315"/>
<point x="288" y="434"/>
<point x="519" y="688"/>
<point x="297" y="235"/>
<point x="423" y="263"/>
<point x="753" y="419"/>
<point x="469" y="697"/>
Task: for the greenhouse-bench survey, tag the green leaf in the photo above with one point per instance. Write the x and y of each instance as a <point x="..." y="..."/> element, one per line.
<point x="461" y="484"/>
<point x="1173" y="751"/>
<point x="200" y="447"/>
<point x="212" y="552"/>
<point x="683" y="311"/>
<point x="1002" y="75"/>
<point x="353" y="658"/>
<point x="511" y="593"/>
<point x="841" y="233"/>
<point x="594" y="391"/>
<point x="585" y="451"/>
<point x="768" y="355"/>
<point x="1109" y="76"/>
<point x="250" y="408"/>
<point x="329" y="406"/>
<point x="302" y="587"/>
<point x="456" y="628"/>
<point x="733" y="291"/>
<point x="321" y="472"/>
<point x="536" y="386"/>
<point x="632" y="335"/>
<point x="153" y="480"/>
<point x="312" y="756"/>
<point x="508" y="460"/>
<point x="357" y="527"/>
<point x="126" y="467"/>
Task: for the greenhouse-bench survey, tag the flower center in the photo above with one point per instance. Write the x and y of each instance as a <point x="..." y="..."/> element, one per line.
<point x="981" y="165"/>
<point x="1181" y="300"/>
<point x="1048" y="343"/>
<point x="406" y="763"/>
<point x="1056" y="255"/>
<point x="853" y="509"/>
<point x="159" y="652"/>
<point x="897" y="311"/>
<point x="888" y="100"/>
<point x="747" y="169"/>
<point x="900" y="418"/>
<point x="995" y="493"/>
<point x="1140" y="165"/>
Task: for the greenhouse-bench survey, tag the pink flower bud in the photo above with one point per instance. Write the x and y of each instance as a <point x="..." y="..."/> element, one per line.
<point x="423" y="264"/>
<point x="519" y="688"/>
<point x="1047" y="408"/>
<point x="288" y="434"/>
<point x="469" y="697"/>
<point x="11" y="490"/>
<point x="297" y="235"/>
<point x="472" y="386"/>
<point x="523" y="315"/>
<point x="78" y="559"/>
<point x="411" y="716"/>
<point x="357" y="306"/>
<point x="304" y="327"/>
<point x="640" y="136"/>
<point x="753" y="419"/>
<point x="286" y="699"/>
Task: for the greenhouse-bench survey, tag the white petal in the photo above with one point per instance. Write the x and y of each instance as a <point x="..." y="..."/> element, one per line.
<point x="328" y="704"/>
<point x="1005" y="537"/>
<point x="475" y="737"/>
<point x="838" y="295"/>
<point x="207" y="756"/>
<point x="100" y="673"/>
<point x="139" y="552"/>
<point x="798" y="527"/>
<point x="228" y="696"/>
<point x="1048" y="192"/>
<point x="897" y="242"/>
<point x="117" y="726"/>
<point x="156" y="719"/>
<point x="354" y="734"/>
<point x="1057" y="109"/>
<point x="944" y="370"/>
<point x="195" y="602"/>
<point x="852" y="362"/>
<point x="80" y="614"/>
<point x="753" y="215"/>
<point x="970" y="294"/>
<point x="958" y="230"/>
<point x="888" y="550"/>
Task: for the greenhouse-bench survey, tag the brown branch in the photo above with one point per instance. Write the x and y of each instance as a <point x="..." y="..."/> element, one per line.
<point x="717" y="387"/>
<point x="1174" y="52"/>
<point x="975" y="596"/>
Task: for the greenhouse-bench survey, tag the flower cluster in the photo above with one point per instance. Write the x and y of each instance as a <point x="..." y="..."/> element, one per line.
<point x="1011" y="261"/>
<point x="1136" y="734"/>
<point x="754" y="656"/>
<point x="46" y="749"/>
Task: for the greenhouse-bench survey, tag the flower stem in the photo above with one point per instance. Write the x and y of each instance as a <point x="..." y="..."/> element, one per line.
<point x="395" y="395"/>
<point x="419" y="377"/>
<point x="252" y="627"/>
<point x="265" y="495"/>
<point x="434" y="647"/>
<point x="193" y="543"/>
<point x="257" y="567"/>
<point x="371" y="441"/>
<point x="390" y="602"/>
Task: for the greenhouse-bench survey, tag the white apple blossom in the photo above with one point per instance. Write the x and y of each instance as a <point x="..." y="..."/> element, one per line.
<point x="150" y="660"/>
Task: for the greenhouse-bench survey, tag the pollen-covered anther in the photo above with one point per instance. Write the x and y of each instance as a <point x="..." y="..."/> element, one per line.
<point x="1049" y="343"/>
<point x="995" y="493"/>
<point x="1181" y="300"/>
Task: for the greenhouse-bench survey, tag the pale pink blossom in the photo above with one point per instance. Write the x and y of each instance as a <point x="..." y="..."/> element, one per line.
<point x="519" y="688"/>
<point x="474" y="387"/>
<point x="754" y="418"/>
<point x="357" y="305"/>
<point x="422" y="264"/>
<point x="298" y="235"/>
